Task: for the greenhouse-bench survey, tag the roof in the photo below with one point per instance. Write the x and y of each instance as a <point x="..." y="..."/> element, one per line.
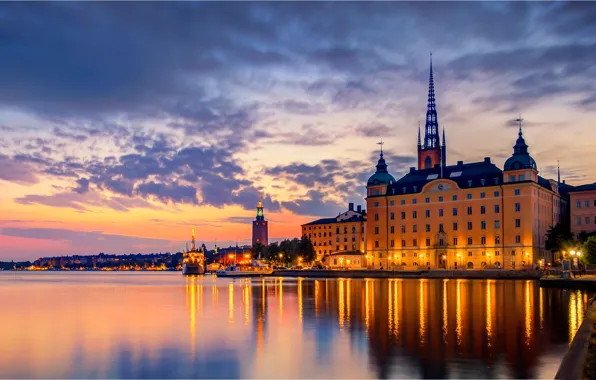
<point x="346" y="253"/>
<point x="474" y="174"/>
<point x="355" y="218"/>
<point x="588" y="187"/>
<point x="381" y="176"/>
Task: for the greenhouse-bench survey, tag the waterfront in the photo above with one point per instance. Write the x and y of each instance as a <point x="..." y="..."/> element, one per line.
<point x="162" y="325"/>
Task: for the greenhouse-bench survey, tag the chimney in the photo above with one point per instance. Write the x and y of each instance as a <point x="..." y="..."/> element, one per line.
<point x="350" y="206"/>
<point x="460" y="163"/>
<point x="412" y="169"/>
<point x="359" y="208"/>
<point x="563" y="182"/>
<point x="487" y="160"/>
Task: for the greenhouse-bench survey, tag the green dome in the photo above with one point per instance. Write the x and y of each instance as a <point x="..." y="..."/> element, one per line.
<point x="520" y="159"/>
<point x="381" y="176"/>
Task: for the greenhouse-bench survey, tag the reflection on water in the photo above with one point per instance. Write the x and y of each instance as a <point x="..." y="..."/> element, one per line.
<point x="145" y="325"/>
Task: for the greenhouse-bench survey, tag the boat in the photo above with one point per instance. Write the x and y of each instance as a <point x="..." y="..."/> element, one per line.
<point x="193" y="260"/>
<point x="256" y="269"/>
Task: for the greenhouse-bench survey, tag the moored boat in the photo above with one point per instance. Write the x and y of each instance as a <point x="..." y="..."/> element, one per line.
<point x="255" y="270"/>
<point x="193" y="261"/>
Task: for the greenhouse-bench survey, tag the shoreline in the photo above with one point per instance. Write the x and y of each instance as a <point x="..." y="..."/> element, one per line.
<point x="437" y="274"/>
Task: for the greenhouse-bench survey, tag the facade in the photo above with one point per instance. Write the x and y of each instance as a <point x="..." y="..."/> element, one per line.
<point x="260" y="227"/>
<point x="583" y="209"/>
<point x="345" y="260"/>
<point x="346" y="232"/>
<point x="471" y="215"/>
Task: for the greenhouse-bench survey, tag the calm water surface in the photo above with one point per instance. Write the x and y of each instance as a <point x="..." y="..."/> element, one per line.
<point x="162" y="325"/>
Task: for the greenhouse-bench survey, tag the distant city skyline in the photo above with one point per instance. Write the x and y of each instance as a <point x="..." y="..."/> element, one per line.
<point x="124" y="124"/>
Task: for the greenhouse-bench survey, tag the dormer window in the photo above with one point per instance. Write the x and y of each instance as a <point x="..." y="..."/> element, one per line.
<point x="469" y="183"/>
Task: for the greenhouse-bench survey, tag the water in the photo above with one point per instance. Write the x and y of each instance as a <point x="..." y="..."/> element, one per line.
<point x="162" y="325"/>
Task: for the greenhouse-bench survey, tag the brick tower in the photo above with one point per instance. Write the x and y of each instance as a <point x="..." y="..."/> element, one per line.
<point x="260" y="227"/>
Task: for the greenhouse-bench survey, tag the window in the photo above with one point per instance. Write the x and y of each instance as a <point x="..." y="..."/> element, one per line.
<point x="483" y="195"/>
<point x="482" y="181"/>
<point x="482" y="209"/>
<point x="469" y="240"/>
<point x="496" y="194"/>
<point x="376" y="192"/>
<point x="594" y="202"/>
<point x="392" y="216"/>
<point x="517" y="223"/>
<point x="392" y="229"/>
<point x="403" y="243"/>
<point x="469" y="225"/>
<point x="483" y="240"/>
<point x="578" y="221"/>
<point x="469" y="196"/>
<point x="376" y="204"/>
<point x="516" y="191"/>
<point x="403" y="228"/>
<point x="587" y="220"/>
<point x="414" y="228"/>
<point x="376" y="216"/>
<point x="496" y="180"/>
<point x="517" y="239"/>
<point x="324" y="234"/>
<point x="578" y="204"/>
<point x="415" y="241"/>
<point x="595" y="220"/>
<point x="455" y="211"/>
<point x="517" y="207"/>
<point x="428" y="242"/>
<point x="521" y="177"/>
<point x="511" y="178"/>
<point x="441" y="242"/>
<point x="353" y="230"/>
<point x="414" y="214"/>
<point x="497" y="224"/>
<point x="469" y="183"/>
<point x="454" y="241"/>
<point x="337" y="230"/>
<point x="441" y="199"/>
<point x="391" y="203"/>
<point x="497" y="209"/>
<point x="587" y="204"/>
<point x="376" y="230"/>
<point x="469" y="210"/>
<point x="337" y="247"/>
<point x="414" y="201"/>
<point x="345" y="247"/>
<point x="454" y="198"/>
<point x="427" y="200"/>
<point x="441" y="227"/>
<point x="403" y="202"/>
<point x="483" y="225"/>
<point x="392" y="243"/>
<point x="455" y="226"/>
<point x="440" y="212"/>
<point x="376" y="244"/>
<point x="469" y="253"/>
<point x="427" y="213"/>
<point x="428" y="228"/>
<point x="497" y="253"/>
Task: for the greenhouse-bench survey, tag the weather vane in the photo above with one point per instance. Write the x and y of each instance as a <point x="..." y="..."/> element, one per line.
<point x="381" y="144"/>
<point x="519" y="120"/>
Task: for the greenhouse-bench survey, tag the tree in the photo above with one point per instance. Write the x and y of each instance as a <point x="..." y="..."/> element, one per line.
<point x="307" y="250"/>
<point x="272" y="252"/>
<point x="584" y="236"/>
<point x="589" y="251"/>
<point x="558" y="237"/>
<point x="258" y="250"/>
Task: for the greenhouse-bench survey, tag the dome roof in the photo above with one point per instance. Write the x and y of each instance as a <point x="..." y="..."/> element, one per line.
<point x="381" y="176"/>
<point x="520" y="159"/>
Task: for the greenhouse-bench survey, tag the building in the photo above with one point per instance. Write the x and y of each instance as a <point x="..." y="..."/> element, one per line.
<point x="582" y="200"/>
<point x="260" y="227"/>
<point x="467" y="215"/>
<point x="345" y="260"/>
<point x="345" y="232"/>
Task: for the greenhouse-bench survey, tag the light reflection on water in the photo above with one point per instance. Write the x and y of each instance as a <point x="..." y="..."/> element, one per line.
<point x="162" y="325"/>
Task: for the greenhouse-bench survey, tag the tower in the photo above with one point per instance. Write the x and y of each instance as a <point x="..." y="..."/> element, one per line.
<point x="260" y="227"/>
<point x="431" y="152"/>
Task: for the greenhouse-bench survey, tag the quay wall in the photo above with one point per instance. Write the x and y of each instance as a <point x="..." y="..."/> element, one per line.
<point x="572" y="364"/>
<point x="456" y="274"/>
<point x="568" y="283"/>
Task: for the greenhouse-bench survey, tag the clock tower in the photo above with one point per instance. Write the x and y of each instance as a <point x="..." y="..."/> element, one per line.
<point x="260" y="227"/>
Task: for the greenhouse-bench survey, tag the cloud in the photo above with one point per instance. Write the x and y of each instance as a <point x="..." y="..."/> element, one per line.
<point x="18" y="171"/>
<point x="313" y="204"/>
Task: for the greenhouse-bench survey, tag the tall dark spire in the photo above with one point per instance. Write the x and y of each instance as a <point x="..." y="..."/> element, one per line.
<point x="419" y="142"/>
<point x="431" y="127"/>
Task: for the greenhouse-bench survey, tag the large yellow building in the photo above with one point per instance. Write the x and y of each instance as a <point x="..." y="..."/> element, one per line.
<point x="471" y="215"/>
<point x="344" y="233"/>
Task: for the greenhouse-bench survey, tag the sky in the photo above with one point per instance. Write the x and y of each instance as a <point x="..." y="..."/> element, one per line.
<point x="124" y="124"/>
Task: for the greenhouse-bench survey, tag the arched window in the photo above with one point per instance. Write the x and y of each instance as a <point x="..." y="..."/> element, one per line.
<point x="497" y="263"/>
<point x="427" y="162"/>
<point x="404" y="264"/>
<point x="415" y="264"/>
<point x="483" y="265"/>
<point x="470" y="265"/>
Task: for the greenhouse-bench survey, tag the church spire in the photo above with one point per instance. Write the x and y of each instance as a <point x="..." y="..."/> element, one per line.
<point x="431" y="127"/>
<point x="419" y="141"/>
